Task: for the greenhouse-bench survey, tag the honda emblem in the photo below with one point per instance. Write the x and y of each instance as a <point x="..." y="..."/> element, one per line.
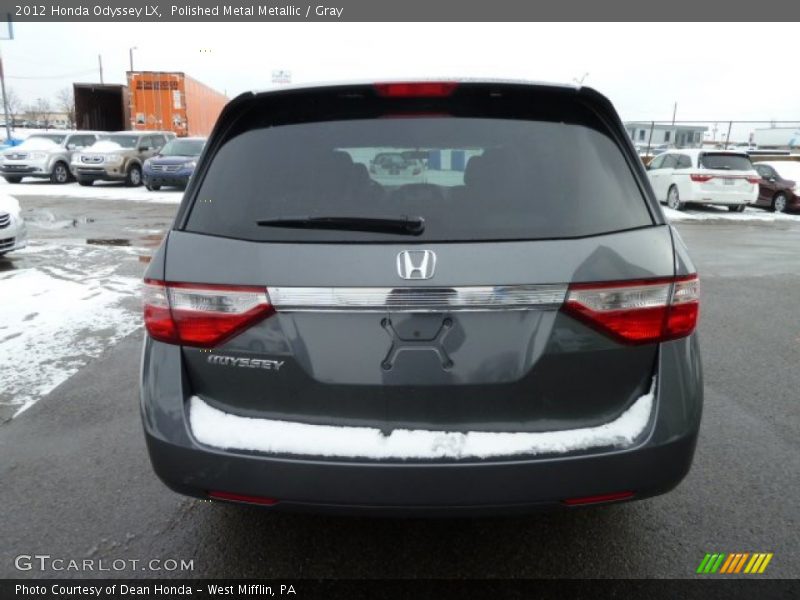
<point x="416" y="264"/>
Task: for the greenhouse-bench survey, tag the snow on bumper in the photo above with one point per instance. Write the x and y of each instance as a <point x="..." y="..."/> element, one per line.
<point x="213" y="427"/>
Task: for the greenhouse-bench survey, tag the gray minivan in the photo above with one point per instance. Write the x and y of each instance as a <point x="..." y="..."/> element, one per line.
<point x="514" y="331"/>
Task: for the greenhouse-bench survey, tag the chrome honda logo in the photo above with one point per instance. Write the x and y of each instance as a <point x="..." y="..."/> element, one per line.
<point x="416" y="264"/>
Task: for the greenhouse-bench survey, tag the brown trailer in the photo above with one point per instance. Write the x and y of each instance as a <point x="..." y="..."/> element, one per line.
<point x="101" y="107"/>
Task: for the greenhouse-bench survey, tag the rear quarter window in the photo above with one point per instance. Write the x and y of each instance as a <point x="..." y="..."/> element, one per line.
<point x="471" y="179"/>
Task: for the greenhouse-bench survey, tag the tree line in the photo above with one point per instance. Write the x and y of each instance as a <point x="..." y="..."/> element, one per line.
<point x="41" y="109"/>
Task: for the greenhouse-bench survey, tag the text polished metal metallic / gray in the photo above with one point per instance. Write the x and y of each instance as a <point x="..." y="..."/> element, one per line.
<point x="418" y="299"/>
<point x="416" y="264"/>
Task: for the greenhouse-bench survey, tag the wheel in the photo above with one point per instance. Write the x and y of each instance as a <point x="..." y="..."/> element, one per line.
<point x="60" y="173"/>
<point x="85" y="181"/>
<point x="13" y="179"/>
<point x="153" y="188"/>
<point x="674" y="200"/>
<point x="779" y="203"/>
<point x="738" y="208"/>
<point x="134" y="176"/>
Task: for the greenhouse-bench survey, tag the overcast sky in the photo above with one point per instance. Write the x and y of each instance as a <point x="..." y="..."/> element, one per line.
<point x="644" y="68"/>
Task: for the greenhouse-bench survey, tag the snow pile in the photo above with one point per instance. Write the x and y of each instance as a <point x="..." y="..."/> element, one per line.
<point x="100" y="191"/>
<point x="53" y="322"/>
<point x="708" y="213"/>
<point x="214" y="427"/>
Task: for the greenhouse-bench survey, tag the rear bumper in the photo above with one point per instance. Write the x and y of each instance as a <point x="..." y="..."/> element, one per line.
<point x="423" y="489"/>
<point x="653" y="465"/>
<point x="698" y="194"/>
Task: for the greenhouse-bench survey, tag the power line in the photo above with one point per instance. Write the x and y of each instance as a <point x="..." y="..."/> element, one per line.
<point x="63" y="76"/>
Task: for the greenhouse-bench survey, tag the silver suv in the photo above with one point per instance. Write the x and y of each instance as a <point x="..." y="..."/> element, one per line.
<point x="45" y="155"/>
<point x="118" y="157"/>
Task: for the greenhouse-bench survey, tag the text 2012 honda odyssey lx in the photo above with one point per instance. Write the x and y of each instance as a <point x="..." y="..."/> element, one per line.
<point x="513" y="329"/>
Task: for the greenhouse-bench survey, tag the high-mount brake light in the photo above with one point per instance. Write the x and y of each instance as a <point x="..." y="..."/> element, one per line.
<point x="422" y="89"/>
<point x="638" y="312"/>
<point x="203" y="315"/>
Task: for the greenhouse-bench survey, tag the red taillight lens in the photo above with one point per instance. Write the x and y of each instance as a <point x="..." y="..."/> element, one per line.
<point x="616" y="496"/>
<point x="700" y="178"/>
<point x="263" y="500"/>
<point x="638" y="312"/>
<point x="199" y="314"/>
<point x="753" y="179"/>
<point x="424" y="89"/>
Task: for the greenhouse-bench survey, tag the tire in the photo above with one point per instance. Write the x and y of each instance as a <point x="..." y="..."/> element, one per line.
<point x="12" y="179"/>
<point x="60" y="173"/>
<point x="779" y="202"/>
<point x="85" y="181"/>
<point x="133" y="178"/>
<point x="738" y="208"/>
<point x="153" y="188"/>
<point x="674" y="199"/>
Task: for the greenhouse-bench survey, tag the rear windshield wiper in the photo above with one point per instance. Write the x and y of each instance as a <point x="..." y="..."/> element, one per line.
<point x="398" y="225"/>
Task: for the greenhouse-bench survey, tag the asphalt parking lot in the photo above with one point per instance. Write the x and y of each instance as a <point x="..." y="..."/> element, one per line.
<point x="76" y="482"/>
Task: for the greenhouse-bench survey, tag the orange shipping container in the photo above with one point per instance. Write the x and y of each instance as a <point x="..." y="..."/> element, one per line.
<point x="170" y="101"/>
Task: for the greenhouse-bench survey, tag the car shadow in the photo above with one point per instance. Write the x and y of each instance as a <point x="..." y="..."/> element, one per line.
<point x="260" y="543"/>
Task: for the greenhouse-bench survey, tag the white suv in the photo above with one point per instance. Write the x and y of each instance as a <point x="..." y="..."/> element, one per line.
<point x="705" y="177"/>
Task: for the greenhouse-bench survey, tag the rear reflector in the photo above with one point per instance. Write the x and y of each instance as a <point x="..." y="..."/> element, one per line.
<point x="424" y="89"/>
<point x="598" y="499"/>
<point x="264" y="501"/>
<point x="637" y="312"/>
<point x="201" y="314"/>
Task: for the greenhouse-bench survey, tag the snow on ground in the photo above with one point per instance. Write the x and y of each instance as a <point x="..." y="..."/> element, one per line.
<point x="216" y="428"/>
<point x="100" y="191"/>
<point x="707" y="213"/>
<point x="58" y="316"/>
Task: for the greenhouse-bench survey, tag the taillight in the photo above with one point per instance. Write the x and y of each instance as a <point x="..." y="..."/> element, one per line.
<point x="700" y="178"/>
<point x="202" y="315"/>
<point x="753" y="179"/>
<point x="423" y="89"/>
<point x="637" y="312"/>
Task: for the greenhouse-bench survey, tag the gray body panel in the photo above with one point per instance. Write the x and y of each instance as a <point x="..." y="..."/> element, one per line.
<point x="525" y="369"/>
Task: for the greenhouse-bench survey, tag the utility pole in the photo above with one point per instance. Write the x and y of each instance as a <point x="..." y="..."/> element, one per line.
<point x="674" y="112"/>
<point x="5" y="99"/>
<point x="130" y="55"/>
<point x="100" y="63"/>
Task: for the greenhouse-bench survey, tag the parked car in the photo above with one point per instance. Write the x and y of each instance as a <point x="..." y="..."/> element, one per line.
<point x="174" y="163"/>
<point x="718" y="177"/>
<point x="778" y="188"/>
<point x="13" y="232"/>
<point x="394" y="164"/>
<point x="515" y="336"/>
<point x="118" y="157"/>
<point x="45" y="155"/>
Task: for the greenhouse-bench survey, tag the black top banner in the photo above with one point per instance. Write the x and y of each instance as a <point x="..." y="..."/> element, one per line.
<point x="399" y="11"/>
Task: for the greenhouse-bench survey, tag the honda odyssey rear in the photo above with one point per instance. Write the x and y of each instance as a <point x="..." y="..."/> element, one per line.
<point x="511" y="329"/>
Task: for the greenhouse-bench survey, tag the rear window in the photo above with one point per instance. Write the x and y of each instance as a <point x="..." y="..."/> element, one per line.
<point x="467" y="178"/>
<point x="726" y="162"/>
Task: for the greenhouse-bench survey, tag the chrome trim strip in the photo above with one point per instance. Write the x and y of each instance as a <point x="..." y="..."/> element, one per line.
<point x="417" y="299"/>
